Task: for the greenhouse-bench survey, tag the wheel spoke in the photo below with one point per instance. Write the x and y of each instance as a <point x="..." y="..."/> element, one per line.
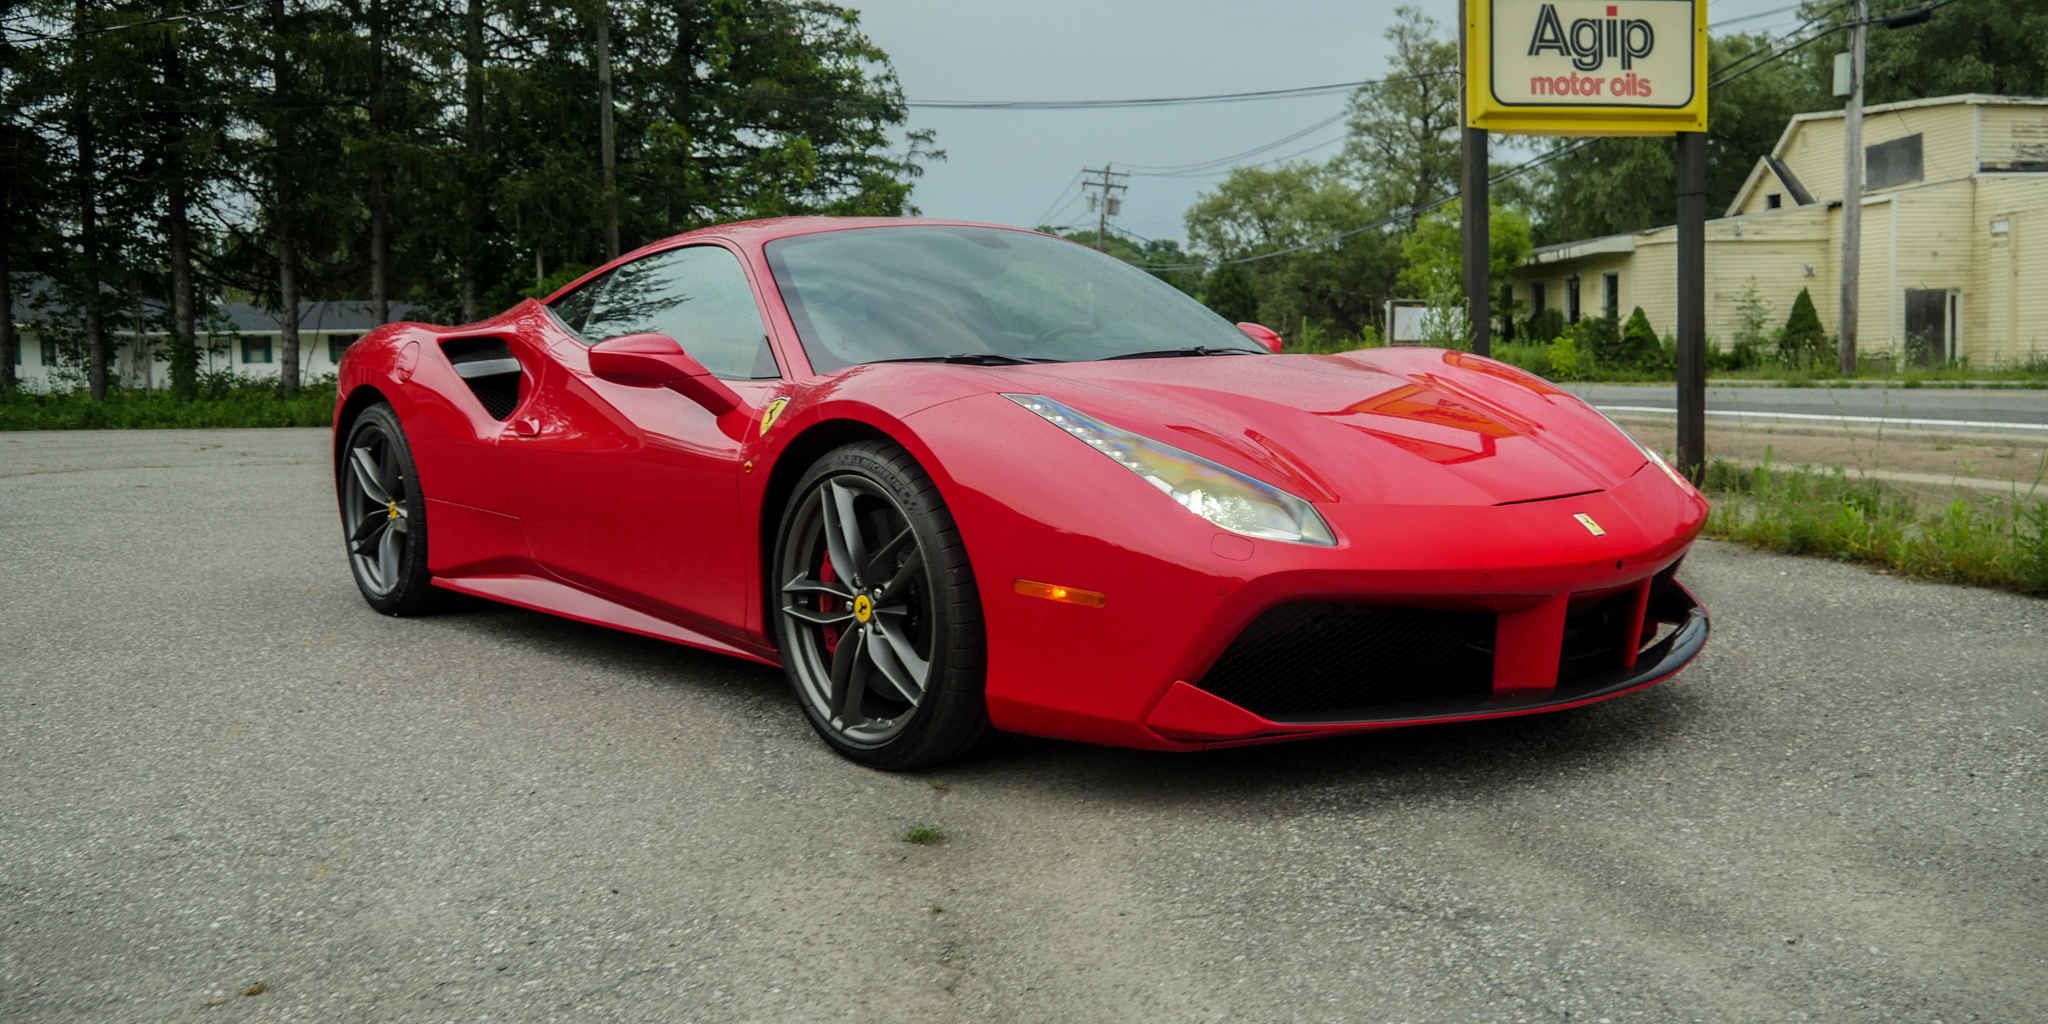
<point x="835" y="588"/>
<point x="843" y="541"/>
<point x="400" y="524"/>
<point x="849" y="679"/>
<point x="369" y="535"/>
<point x="365" y="468"/>
<point x="898" y="584"/>
<point x="387" y="472"/>
<point x="387" y="559"/>
<point x="817" y="618"/>
<point x="878" y="566"/>
<point x="898" y="662"/>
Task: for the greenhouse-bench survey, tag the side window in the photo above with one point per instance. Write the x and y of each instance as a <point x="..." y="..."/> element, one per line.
<point x="574" y="308"/>
<point x="696" y="295"/>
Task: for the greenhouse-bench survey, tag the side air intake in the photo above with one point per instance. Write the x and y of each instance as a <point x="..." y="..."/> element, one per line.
<point x="491" y="371"/>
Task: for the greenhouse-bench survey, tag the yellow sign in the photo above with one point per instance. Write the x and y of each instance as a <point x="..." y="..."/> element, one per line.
<point x="1586" y="67"/>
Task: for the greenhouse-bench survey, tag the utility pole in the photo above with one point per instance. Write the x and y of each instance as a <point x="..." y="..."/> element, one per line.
<point x="1852" y="191"/>
<point x="1106" y="201"/>
<point x="1692" y="305"/>
<point x="604" y="122"/>
<point x="1476" y="213"/>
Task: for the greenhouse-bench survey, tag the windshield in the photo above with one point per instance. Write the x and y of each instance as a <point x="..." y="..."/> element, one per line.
<point x="927" y="292"/>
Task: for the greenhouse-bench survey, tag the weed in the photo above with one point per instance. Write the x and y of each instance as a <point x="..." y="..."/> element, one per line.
<point x="936" y="909"/>
<point x="257" y="989"/>
<point x="924" y="835"/>
<point x="938" y="784"/>
<point x="1993" y="541"/>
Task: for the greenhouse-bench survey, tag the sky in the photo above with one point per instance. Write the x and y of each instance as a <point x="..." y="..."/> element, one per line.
<point x="1021" y="167"/>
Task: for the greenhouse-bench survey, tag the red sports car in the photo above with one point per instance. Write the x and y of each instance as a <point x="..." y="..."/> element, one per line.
<point x="958" y="478"/>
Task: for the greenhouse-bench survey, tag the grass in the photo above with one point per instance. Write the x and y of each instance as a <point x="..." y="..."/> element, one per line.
<point x="220" y="403"/>
<point x="1994" y="541"/>
<point x="924" y="835"/>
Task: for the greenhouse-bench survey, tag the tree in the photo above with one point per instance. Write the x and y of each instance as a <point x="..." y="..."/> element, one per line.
<point x="1404" y="144"/>
<point x="1640" y="346"/>
<point x="1802" y="337"/>
<point x="1264" y="211"/>
<point x="1228" y="290"/>
<point x="1435" y="250"/>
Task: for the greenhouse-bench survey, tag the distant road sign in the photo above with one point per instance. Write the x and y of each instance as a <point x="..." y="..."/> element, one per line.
<point x="1586" y="67"/>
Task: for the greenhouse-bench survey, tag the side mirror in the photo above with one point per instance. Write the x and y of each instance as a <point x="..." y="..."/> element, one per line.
<point x="1263" y="335"/>
<point x="658" y="361"/>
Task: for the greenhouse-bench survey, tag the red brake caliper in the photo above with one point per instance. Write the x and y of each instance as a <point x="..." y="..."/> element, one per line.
<point x="827" y="603"/>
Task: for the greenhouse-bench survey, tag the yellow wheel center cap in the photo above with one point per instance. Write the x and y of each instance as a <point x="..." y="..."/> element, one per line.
<point x="863" y="609"/>
<point x="392" y="508"/>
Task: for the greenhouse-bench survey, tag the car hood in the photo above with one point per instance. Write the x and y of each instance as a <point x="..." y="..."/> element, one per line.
<point x="1381" y="426"/>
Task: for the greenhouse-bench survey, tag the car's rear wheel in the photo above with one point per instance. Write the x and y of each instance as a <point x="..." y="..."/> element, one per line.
<point x="878" y="618"/>
<point x="383" y="515"/>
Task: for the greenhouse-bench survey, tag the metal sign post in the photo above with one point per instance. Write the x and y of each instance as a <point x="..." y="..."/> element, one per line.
<point x="1593" y="67"/>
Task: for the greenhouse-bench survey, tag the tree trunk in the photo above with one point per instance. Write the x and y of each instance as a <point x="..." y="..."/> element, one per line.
<point x="183" y="349"/>
<point x="287" y="252"/>
<point x="89" y="244"/>
<point x="10" y="345"/>
<point x="473" y="149"/>
<point x="604" y="133"/>
<point x="380" y="201"/>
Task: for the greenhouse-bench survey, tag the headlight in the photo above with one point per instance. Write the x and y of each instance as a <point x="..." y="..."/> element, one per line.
<point x="1223" y="496"/>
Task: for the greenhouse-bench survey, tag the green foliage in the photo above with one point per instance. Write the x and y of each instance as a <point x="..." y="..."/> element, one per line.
<point x="1545" y="325"/>
<point x="1639" y="344"/>
<point x="1802" y="339"/>
<point x="1435" y="249"/>
<point x="1228" y="290"/>
<point x="924" y="835"/>
<point x="1992" y="541"/>
<point x="1599" y="339"/>
<point x="219" y="400"/>
<point x="1564" y="357"/>
<point x="1404" y="146"/>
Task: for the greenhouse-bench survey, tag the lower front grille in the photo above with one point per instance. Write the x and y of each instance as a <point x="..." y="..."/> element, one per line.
<point x="1311" y="658"/>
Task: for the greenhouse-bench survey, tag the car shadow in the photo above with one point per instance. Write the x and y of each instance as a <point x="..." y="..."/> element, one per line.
<point x="1464" y="758"/>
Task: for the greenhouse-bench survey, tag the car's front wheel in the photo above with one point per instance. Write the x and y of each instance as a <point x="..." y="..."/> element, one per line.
<point x="878" y="617"/>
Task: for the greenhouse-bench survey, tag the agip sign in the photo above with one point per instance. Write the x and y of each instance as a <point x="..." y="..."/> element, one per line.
<point x="1586" y="67"/>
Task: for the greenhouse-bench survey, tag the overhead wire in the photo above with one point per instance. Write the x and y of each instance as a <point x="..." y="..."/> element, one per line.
<point x="1409" y="213"/>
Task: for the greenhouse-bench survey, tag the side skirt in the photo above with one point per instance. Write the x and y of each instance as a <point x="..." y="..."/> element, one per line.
<point x="545" y="595"/>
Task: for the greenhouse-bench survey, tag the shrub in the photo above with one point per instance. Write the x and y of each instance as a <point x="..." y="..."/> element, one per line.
<point x="1564" y="358"/>
<point x="1802" y="339"/>
<point x="1639" y="344"/>
<point x="1544" y="327"/>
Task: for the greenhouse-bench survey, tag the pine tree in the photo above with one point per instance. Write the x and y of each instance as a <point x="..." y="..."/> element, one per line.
<point x="1802" y="334"/>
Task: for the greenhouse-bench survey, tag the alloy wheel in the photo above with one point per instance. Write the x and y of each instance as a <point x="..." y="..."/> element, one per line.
<point x="856" y="599"/>
<point x="377" y="502"/>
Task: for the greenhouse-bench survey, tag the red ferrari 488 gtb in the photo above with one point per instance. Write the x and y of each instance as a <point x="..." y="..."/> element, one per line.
<point x="957" y="478"/>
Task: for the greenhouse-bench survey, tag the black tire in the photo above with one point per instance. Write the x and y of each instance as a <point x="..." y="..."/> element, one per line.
<point x="852" y="649"/>
<point x="384" y="515"/>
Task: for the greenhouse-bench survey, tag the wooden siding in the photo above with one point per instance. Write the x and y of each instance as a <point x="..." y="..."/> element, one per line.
<point x="2012" y="138"/>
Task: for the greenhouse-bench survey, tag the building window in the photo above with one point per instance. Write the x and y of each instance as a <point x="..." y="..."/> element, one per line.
<point x="337" y="344"/>
<point x="1571" y="299"/>
<point x="1774" y="201"/>
<point x="256" y="349"/>
<point x="1535" y="298"/>
<point x="1610" y="296"/>
<point x="1892" y="163"/>
<point x="49" y="352"/>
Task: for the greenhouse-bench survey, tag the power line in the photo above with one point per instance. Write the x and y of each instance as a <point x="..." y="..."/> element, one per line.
<point x="1166" y="101"/>
<point x="1203" y="165"/>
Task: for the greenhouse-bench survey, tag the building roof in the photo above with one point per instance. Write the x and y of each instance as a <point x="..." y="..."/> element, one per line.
<point x="339" y="315"/>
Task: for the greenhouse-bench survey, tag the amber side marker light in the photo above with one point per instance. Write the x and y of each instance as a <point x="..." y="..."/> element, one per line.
<point x="1067" y="595"/>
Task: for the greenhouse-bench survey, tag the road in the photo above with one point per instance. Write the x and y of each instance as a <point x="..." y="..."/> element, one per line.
<point x="219" y="769"/>
<point x="2013" y="411"/>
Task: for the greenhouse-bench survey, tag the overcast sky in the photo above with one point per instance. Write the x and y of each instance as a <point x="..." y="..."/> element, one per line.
<point x="1020" y="167"/>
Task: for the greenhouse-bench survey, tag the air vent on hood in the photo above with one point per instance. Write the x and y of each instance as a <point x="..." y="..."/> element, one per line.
<point x="490" y="369"/>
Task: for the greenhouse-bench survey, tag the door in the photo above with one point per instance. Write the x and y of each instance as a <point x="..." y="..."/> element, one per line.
<point x="633" y="492"/>
<point x="1927" y="326"/>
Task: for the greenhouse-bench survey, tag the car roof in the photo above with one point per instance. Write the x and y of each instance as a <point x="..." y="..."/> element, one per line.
<point x="751" y="233"/>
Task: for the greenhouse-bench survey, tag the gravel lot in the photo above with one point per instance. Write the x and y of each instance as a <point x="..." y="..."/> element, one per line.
<point x="219" y="769"/>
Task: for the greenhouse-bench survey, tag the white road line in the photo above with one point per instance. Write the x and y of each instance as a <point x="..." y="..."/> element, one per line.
<point x="1895" y="420"/>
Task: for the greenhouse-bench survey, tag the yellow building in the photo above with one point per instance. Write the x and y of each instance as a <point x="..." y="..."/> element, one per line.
<point x="1955" y="237"/>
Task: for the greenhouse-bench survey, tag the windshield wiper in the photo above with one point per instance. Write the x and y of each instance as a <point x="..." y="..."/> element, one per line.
<point x="1198" y="350"/>
<point x="970" y="358"/>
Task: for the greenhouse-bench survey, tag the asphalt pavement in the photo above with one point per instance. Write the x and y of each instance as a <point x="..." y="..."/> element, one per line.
<point x="1962" y="409"/>
<point x="220" y="770"/>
